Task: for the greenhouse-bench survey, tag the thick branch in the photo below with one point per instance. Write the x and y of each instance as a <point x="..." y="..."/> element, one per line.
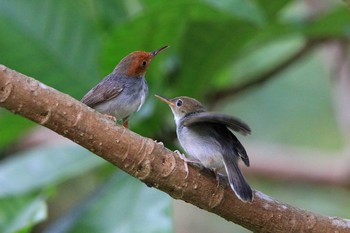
<point x="151" y="162"/>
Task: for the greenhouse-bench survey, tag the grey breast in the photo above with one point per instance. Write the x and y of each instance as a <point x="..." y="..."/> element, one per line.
<point x="130" y="99"/>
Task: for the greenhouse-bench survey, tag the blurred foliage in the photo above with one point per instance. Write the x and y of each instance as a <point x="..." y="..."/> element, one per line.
<point x="56" y="168"/>
<point x="19" y="213"/>
<point x="119" y="205"/>
<point x="71" y="45"/>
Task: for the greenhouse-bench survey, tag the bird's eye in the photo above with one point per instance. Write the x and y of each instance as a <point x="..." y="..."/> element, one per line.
<point x="179" y="103"/>
<point x="144" y="63"/>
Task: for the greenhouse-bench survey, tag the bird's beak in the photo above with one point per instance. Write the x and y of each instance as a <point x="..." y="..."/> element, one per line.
<point x="154" y="53"/>
<point x="164" y="99"/>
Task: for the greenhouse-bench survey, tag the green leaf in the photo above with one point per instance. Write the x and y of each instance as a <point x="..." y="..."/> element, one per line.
<point x="264" y="58"/>
<point x="122" y="205"/>
<point x="53" y="41"/>
<point x="200" y="66"/>
<point x="246" y="10"/>
<point x="109" y="13"/>
<point x="44" y="166"/>
<point x="271" y="9"/>
<point x="20" y="213"/>
<point x="58" y="46"/>
<point x="335" y="23"/>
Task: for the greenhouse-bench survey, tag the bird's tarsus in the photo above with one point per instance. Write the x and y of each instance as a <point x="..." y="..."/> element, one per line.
<point x="186" y="161"/>
<point x="183" y="157"/>
<point x="126" y="122"/>
<point x="159" y="142"/>
<point x="112" y="118"/>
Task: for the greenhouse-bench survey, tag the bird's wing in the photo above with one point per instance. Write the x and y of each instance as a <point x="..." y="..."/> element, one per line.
<point x="233" y="123"/>
<point x="104" y="91"/>
<point x="231" y="146"/>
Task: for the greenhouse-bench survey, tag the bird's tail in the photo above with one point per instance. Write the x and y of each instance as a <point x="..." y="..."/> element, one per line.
<point x="237" y="181"/>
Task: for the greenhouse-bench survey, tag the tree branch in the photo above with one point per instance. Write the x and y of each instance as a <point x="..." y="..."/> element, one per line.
<point x="268" y="75"/>
<point x="150" y="162"/>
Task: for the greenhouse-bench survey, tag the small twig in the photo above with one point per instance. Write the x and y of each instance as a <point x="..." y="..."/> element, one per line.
<point x="263" y="77"/>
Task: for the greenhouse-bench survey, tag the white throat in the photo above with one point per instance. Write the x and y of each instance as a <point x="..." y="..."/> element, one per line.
<point x="176" y="118"/>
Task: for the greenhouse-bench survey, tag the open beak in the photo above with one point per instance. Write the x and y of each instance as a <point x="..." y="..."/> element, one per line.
<point x="154" y="53"/>
<point x="164" y="99"/>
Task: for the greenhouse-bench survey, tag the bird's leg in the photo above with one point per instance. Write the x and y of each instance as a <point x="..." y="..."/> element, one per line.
<point x="126" y="122"/>
<point x="112" y="118"/>
<point x="182" y="156"/>
<point x="187" y="160"/>
<point x="219" y="177"/>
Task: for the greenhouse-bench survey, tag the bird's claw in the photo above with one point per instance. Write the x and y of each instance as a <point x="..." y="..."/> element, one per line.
<point x="183" y="157"/>
<point x="112" y="118"/>
<point x="159" y="142"/>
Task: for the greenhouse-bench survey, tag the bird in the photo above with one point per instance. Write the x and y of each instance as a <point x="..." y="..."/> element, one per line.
<point x="207" y="139"/>
<point x="125" y="90"/>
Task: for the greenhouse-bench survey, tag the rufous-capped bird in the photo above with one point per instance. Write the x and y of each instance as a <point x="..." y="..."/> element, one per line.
<point x="207" y="140"/>
<point x="125" y="90"/>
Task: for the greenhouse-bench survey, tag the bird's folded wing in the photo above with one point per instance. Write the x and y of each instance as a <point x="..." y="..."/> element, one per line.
<point x="101" y="93"/>
<point x="233" y="123"/>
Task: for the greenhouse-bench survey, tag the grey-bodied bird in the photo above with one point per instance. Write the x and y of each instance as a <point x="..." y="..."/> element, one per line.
<point x="124" y="91"/>
<point x="207" y="140"/>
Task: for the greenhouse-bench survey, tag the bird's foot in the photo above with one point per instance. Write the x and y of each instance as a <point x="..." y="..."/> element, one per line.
<point x="186" y="161"/>
<point x="112" y="118"/>
<point x="126" y="122"/>
<point x="183" y="157"/>
<point x="159" y="142"/>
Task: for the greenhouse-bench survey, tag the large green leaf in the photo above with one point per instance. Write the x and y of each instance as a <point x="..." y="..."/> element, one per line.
<point x="244" y="9"/>
<point x="109" y="13"/>
<point x="124" y="205"/>
<point x="271" y="9"/>
<point x="53" y="41"/>
<point x="199" y="67"/>
<point x="20" y="213"/>
<point x="334" y="23"/>
<point x="44" y="166"/>
<point x="58" y="45"/>
<point x="264" y="58"/>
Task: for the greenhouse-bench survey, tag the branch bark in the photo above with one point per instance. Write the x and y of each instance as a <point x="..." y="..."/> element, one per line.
<point x="151" y="162"/>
